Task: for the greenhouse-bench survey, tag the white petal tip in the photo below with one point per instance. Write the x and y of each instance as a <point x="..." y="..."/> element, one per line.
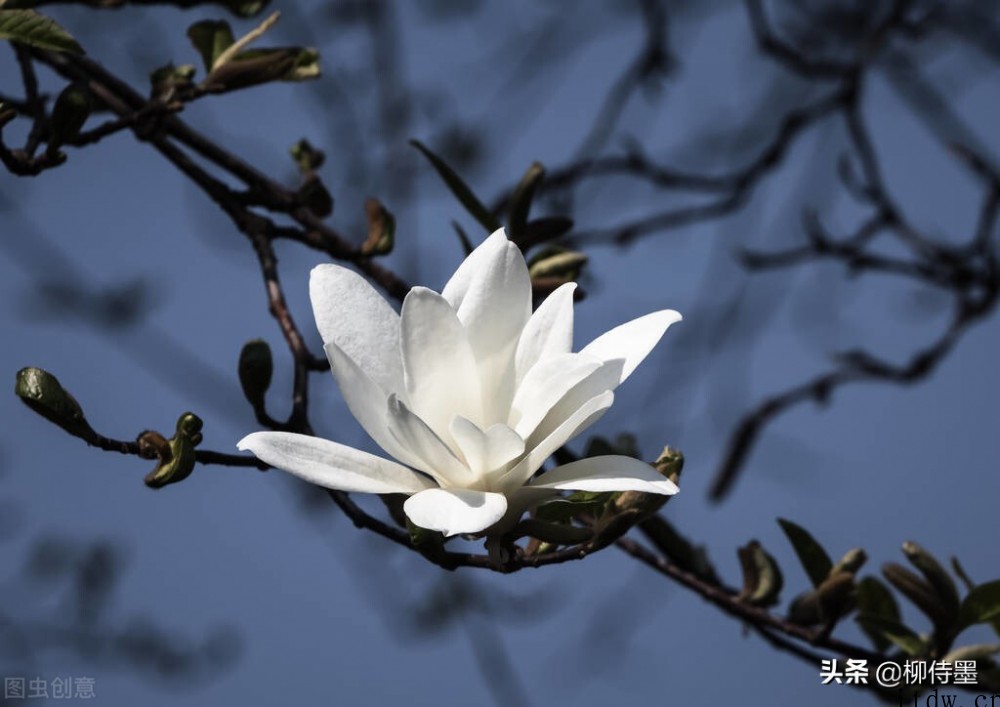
<point x="455" y="511"/>
<point x="246" y="443"/>
<point x="664" y="488"/>
<point x="669" y="316"/>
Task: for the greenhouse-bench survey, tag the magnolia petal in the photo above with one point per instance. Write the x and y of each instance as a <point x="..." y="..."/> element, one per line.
<point x="497" y="383"/>
<point x="430" y="454"/>
<point x="489" y="250"/>
<point x="486" y="451"/>
<point x="491" y="292"/>
<point x="366" y="400"/>
<point x="632" y="340"/>
<point x="331" y="465"/>
<point x="548" y="332"/>
<point x="352" y="315"/>
<point x="606" y="473"/>
<point x="454" y="511"/>
<point x="440" y="370"/>
<point x="545" y="385"/>
<point x="603" y="379"/>
<point x="584" y="416"/>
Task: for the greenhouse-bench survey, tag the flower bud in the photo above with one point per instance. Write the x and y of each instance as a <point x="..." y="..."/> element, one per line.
<point x="42" y="392"/>
<point x="557" y="263"/>
<point x="762" y="579"/>
<point x="833" y="598"/>
<point x="935" y="574"/>
<point x="176" y="462"/>
<point x="851" y="562"/>
<point x="315" y="196"/>
<point x="306" y="157"/>
<point x="255" y="370"/>
<point x="381" y="229"/>
<point x="919" y="592"/>
<point x="520" y="201"/>
<point x="670" y="463"/>
<point x="70" y="112"/>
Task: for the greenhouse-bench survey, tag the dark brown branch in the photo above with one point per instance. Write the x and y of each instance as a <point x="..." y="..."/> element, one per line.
<point x="725" y="599"/>
<point x="34" y="101"/>
<point x="202" y="456"/>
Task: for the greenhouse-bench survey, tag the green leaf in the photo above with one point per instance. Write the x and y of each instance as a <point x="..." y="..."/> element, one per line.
<point x="36" y="30"/>
<point x="811" y="554"/>
<point x="459" y="188"/>
<point x="590" y="496"/>
<point x="211" y="38"/>
<point x="875" y="600"/>
<point x="563" y="510"/>
<point x="678" y="549"/>
<point x="969" y="586"/>
<point x="169" y="78"/>
<point x="546" y="228"/>
<point x="894" y="632"/>
<point x="981" y="605"/>
<point x="305" y="66"/>
<point x="960" y="572"/>
<point x="553" y="533"/>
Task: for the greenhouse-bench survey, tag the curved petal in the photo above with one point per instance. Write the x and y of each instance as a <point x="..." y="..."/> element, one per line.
<point x="366" y="400"/>
<point x="548" y="332"/>
<point x="607" y="473"/>
<point x="491" y="292"/>
<point x="486" y="451"/>
<point x="334" y="466"/>
<point x="545" y="385"/>
<point x="352" y="315"/>
<point x="603" y="379"/>
<point x="632" y="340"/>
<point x="586" y="415"/>
<point x="455" y="511"/>
<point x="431" y="454"/>
<point x="440" y="370"/>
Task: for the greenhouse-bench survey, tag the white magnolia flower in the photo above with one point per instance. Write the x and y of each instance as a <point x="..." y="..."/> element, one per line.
<point x="469" y="391"/>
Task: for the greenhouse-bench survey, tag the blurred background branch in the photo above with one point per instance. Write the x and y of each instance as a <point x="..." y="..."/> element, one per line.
<point x="827" y="65"/>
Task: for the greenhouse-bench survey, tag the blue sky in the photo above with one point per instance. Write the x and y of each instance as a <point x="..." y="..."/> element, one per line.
<point x="325" y="612"/>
